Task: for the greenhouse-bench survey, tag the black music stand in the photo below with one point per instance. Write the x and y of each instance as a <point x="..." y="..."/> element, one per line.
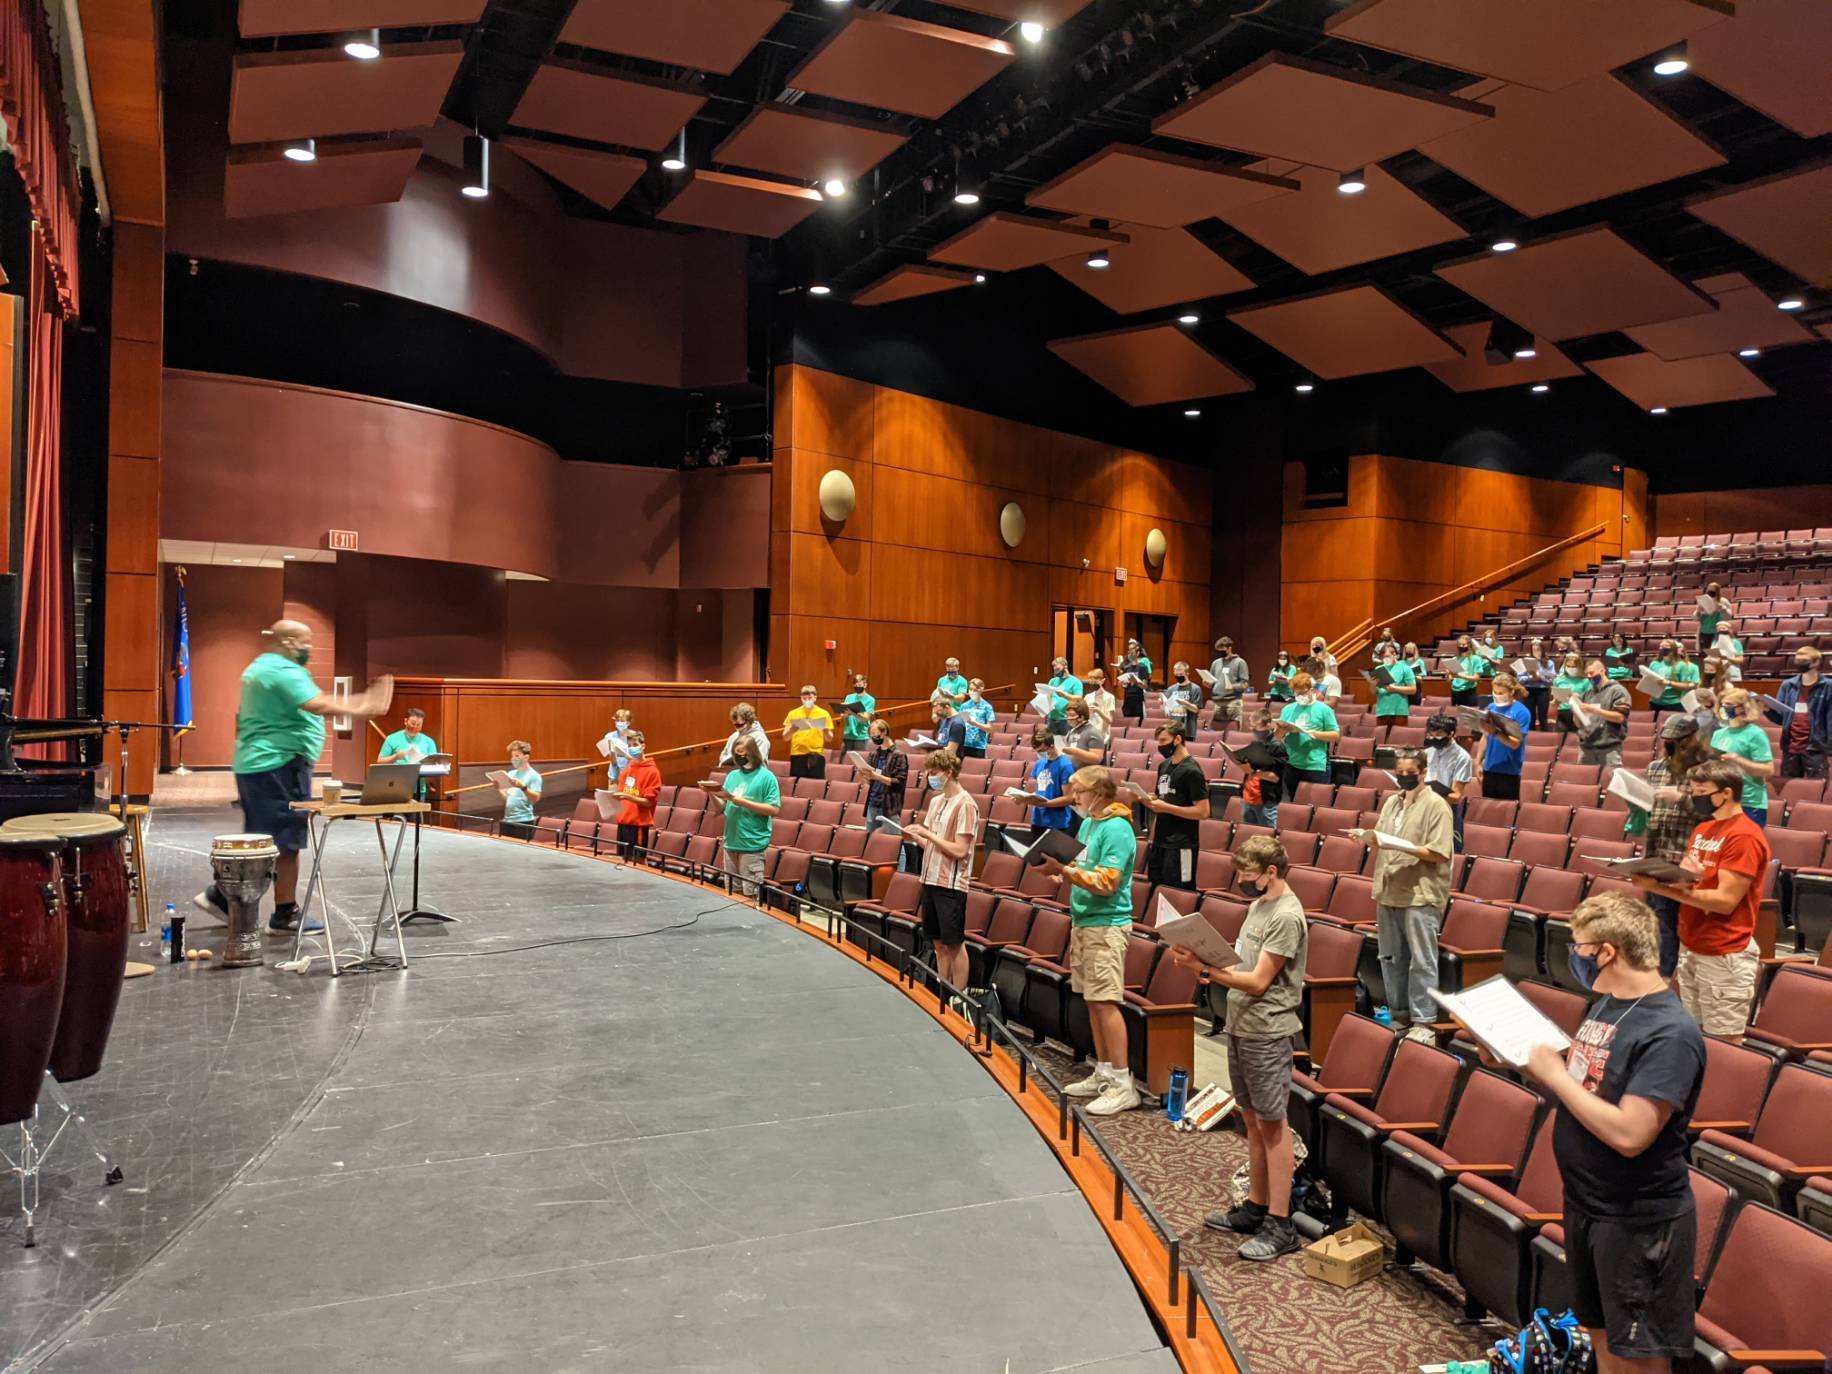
<point x="416" y="912"/>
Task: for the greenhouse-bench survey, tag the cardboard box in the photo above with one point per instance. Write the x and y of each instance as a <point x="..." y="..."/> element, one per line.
<point x="1345" y="1258"/>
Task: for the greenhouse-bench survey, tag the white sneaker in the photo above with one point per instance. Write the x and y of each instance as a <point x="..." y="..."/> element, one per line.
<point x="1120" y="1095"/>
<point x="1093" y="1085"/>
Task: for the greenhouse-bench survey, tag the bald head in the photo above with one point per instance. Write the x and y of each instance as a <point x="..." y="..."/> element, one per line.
<point x="290" y="639"/>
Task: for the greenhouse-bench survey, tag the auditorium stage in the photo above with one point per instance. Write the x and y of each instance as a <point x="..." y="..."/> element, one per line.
<point x="722" y="1147"/>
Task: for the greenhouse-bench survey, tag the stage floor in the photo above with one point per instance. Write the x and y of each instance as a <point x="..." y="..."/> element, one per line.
<point x="714" y="1148"/>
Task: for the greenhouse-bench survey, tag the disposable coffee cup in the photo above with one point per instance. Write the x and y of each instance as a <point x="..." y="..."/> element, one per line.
<point x="333" y="791"/>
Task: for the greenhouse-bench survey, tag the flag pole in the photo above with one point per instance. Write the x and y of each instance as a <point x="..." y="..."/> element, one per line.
<point x="181" y="670"/>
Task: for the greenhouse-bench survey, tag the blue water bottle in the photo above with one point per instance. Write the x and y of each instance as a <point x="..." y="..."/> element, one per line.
<point x="1385" y="1017"/>
<point x="1177" y="1094"/>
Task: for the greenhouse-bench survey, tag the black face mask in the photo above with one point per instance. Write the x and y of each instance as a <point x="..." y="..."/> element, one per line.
<point x="1252" y="889"/>
<point x="1406" y="781"/>
<point x="1167" y="749"/>
<point x="1802" y="666"/>
<point x="1436" y="741"/>
<point x="1703" y="807"/>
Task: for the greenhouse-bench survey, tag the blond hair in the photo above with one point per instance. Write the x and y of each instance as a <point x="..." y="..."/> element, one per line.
<point x="945" y="761"/>
<point x="1618" y="919"/>
<point x="1096" y="779"/>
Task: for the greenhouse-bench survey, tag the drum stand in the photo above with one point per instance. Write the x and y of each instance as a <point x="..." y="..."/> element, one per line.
<point x="36" y="1146"/>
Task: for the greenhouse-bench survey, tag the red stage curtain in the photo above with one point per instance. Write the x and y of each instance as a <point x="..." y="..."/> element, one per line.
<point x="32" y="104"/>
<point x="44" y="644"/>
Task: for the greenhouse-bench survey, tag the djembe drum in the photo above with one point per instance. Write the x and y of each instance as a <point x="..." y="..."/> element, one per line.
<point x="244" y="866"/>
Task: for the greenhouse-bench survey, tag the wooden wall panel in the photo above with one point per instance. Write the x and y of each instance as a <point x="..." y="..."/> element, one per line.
<point x="135" y="385"/>
<point x="961" y="517"/>
<point x="927" y="587"/>
<point x="133" y="514"/>
<point x="832" y="415"/>
<point x="801" y="487"/>
<point x="921" y="435"/>
<point x="1743" y="510"/>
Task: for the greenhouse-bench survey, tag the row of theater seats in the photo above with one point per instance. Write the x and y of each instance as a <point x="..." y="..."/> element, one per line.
<point x="1753" y="547"/>
<point x="1457" y="1161"/>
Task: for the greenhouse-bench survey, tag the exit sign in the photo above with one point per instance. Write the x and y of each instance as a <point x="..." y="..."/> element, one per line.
<point x="343" y="539"/>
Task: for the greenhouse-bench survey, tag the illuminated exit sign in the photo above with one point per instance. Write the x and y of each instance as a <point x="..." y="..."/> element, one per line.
<point x="343" y="539"/>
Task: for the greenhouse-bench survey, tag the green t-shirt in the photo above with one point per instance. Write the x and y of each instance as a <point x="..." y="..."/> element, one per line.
<point x="1392" y="703"/>
<point x="1107" y="842"/>
<point x="1302" y="751"/>
<point x="422" y="744"/>
<point x="1569" y="684"/>
<point x="1749" y="742"/>
<point x="1278" y="682"/>
<point x="1683" y="675"/>
<point x="270" y="727"/>
<point x="1058" y="717"/>
<point x="1473" y="666"/>
<point x="859" y="727"/>
<point x="516" y="806"/>
<point x="746" y="832"/>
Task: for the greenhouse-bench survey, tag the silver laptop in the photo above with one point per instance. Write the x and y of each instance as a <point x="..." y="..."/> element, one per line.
<point x="386" y="783"/>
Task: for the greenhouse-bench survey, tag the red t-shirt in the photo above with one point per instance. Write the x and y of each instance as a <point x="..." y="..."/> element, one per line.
<point x="1735" y="846"/>
<point x="644" y="777"/>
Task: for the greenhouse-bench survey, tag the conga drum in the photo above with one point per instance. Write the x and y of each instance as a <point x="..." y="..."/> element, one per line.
<point x="33" y="955"/>
<point x="96" y="906"/>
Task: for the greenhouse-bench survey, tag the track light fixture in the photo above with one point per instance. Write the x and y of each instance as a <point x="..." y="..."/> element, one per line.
<point x="1352" y="183"/>
<point x="476" y="167"/>
<point x="1031" y="31"/>
<point x="1192" y="413"/>
<point x="1540" y="388"/>
<point x="1305" y="387"/>
<point x="1672" y="62"/>
<point x="365" y="46"/>
<point x="306" y="150"/>
<point x="1657" y="410"/>
<point x="833" y="188"/>
<point x="1749" y="353"/>
<point x="676" y="161"/>
<point x="979" y="278"/>
<point x="1099" y="260"/>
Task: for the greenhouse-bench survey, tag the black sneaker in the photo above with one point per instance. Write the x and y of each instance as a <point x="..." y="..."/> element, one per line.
<point x="1244" y="1220"/>
<point x="211" y="901"/>
<point x="285" y="921"/>
<point x="1276" y="1239"/>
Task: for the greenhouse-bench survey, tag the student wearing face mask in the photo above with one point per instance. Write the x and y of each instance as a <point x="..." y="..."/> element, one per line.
<point x="1713" y="606"/>
<point x="1411" y="891"/>
<point x="1136" y="666"/>
<point x="1261" y="788"/>
<point x="1232" y="679"/>
<point x="1183" y="700"/>
<point x="1605" y="724"/>
<point x="1326" y="684"/>
<point x="750" y="797"/>
<point x="1086" y="739"/>
<point x="638" y="788"/>
<point x="1178" y="808"/>
<point x="809" y="730"/>
<point x="1727" y="649"/>
<point x="1625" y="1092"/>
<point x="855" y="726"/>
<point x="976" y="715"/>
<point x="1618" y="658"/>
<point x="1501" y="761"/>
<point x="887" y="772"/>
<point x="1101" y="705"/>
<point x="745" y="727"/>
<point x="1278" y="677"/>
<point x="1728" y="852"/>
<point x="1319" y="650"/>
<point x="1448" y="769"/>
<point x="1676" y="667"/>
<point x="1385" y="638"/>
<point x="946" y="834"/>
<point x="951" y="684"/>
<point x="1264" y="991"/>
<point x="1488" y="648"/>
<point x="1063" y="686"/>
<point x="1393" y="702"/>
<point x="1668" y="826"/>
<point x="1466" y="672"/>
<point x="1413" y="659"/>
<point x="520" y="789"/>
<point x="1806" y="721"/>
<point x="1048" y="795"/>
<point x="1744" y="745"/>
<point x="1541" y="669"/>
<point x="1570" y="680"/>
<point x="1307" y="728"/>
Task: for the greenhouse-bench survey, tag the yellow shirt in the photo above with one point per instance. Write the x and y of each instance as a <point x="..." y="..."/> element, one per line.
<point x="810" y="737"/>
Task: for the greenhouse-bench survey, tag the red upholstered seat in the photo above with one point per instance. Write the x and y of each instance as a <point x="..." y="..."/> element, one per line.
<point x="1795" y="1018"/>
<point x="1416" y="1096"/>
<point x="1767" y="1293"/>
<point x="1492" y="1225"/>
<point x="1354" y="1066"/>
<point x="1790" y="1142"/>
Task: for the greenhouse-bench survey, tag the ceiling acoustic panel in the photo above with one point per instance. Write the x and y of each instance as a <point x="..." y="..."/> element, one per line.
<point x="1785" y="218"/>
<point x="1745" y="318"/>
<point x="604" y="178"/>
<point x="581" y="102"/>
<point x="1323" y="116"/>
<point x="810" y="145"/>
<point x="712" y="35"/>
<point x="270" y="18"/>
<point x="1649" y="381"/>
<point x="740" y="205"/>
<point x="1542" y="153"/>
<point x="910" y="280"/>
<point x="322" y="94"/>
<point x="1159" y="267"/>
<point x="1546" y="44"/>
<point x="1319" y="229"/>
<point x="892" y="63"/>
<point x="1045" y="12"/>
<point x="1005" y="242"/>
<point x="1164" y="190"/>
<point x="1774" y="56"/>
<point x="1474" y="372"/>
<point x="370" y="171"/>
<point x="1587" y="281"/>
<point x="1150" y="365"/>
<point x="1347" y="333"/>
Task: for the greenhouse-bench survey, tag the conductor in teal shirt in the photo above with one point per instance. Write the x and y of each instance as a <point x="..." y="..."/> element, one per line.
<point x="409" y="744"/>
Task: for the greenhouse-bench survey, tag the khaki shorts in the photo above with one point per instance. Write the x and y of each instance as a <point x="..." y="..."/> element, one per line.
<point x="1097" y="962"/>
<point x="1716" y="989"/>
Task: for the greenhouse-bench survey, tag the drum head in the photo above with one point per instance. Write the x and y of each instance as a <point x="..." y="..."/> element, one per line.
<point x="75" y="827"/>
<point x="13" y="841"/>
<point x="242" y="846"/>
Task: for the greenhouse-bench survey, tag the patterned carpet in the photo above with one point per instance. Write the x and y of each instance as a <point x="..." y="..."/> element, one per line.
<point x="1284" y="1321"/>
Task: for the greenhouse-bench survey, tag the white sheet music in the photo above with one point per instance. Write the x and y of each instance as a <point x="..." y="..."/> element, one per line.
<point x="1396" y="842"/>
<point x="1634" y="789"/>
<point x="1504" y="1023"/>
<point x="1195" y="934"/>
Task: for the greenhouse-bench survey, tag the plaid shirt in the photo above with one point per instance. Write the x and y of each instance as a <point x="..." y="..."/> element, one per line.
<point x="888" y="797"/>
<point x="1670" y="824"/>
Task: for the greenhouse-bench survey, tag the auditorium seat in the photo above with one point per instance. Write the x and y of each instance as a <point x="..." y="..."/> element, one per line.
<point x="1161" y="1022"/>
<point x="1592" y="823"/>
<point x="1214" y="871"/>
<point x="1351" y="901"/>
<point x="864" y="876"/>
<point x="1764" y="1299"/>
<point x="1047" y="942"/>
<point x="549" y="830"/>
<point x="1312" y="887"/>
<point x="1795" y="1016"/>
<point x="1340" y="854"/>
<point x="1492" y="880"/>
<point x="829" y="813"/>
<point x="1332" y="966"/>
<point x="1227" y="913"/>
<point x="1001" y="871"/>
<point x="1353" y="1066"/>
<point x="1735" y="1084"/>
<point x="1490" y="841"/>
<point x="1492" y="1226"/>
<point x="1814" y="1204"/>
<point x="901" y="893"/>
<point x="1469" y="943"/>
<point x="824" y="867"/>
<point x="1490" y="811"/>
<point x="1538" y="849"/>
<point x="1010" y="923"/>
<point x="1789" y="1145"/>
<point x="1048" y="996"/>
<point x="582" y="828"/>
<point x="1487" y="1136"/>
<point x="1300" y="845"/>
<point x="1416" y="1096"/>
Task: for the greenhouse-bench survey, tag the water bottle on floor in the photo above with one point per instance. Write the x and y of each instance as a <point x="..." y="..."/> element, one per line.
<point x="1177" y="1094"/>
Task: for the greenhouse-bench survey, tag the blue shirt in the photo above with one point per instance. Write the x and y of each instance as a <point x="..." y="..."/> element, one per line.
<point x="516" y="806"/>
<point x="953" y="731"/>
<point x="1498" y="758"/>
<point x="1048" y="779"/>
<point x="977" y="715"/>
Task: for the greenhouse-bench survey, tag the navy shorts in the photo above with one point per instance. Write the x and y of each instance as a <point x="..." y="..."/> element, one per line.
<point x="267" y="799"/>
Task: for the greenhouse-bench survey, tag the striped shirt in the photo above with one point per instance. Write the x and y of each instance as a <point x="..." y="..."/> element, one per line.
<point x="952" y="818"/>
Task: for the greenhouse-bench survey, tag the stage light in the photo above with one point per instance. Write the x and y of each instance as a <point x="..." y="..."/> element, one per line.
<point x="1031" y="31"/>
<point x="1352" y="183"/>
<point x="1098" y="259"/>
<point x="1749" y="352"/>
<point x="364" y="47"/>
<point x="476" y="167"/>
<point x="1192" y="413"/>
<point x="1673" y="62"/>
<point x="1503" y="246"/>
<point x="1657" y="410"/>
<point x="1540" y="387"/>
<point x="1191" y="318"/>
<point x="1305" y="388"/>
<point x="1790" y="303"/>
<point x="833" y="188"/>
<point x="677" y="160"/>
<point x="979" y="278"/>
<point x="303" y="152"/>
<point x="818" y="289"/>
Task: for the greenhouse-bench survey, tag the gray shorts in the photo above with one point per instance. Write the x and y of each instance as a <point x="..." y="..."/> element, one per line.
<point x="1259" y="1072"/>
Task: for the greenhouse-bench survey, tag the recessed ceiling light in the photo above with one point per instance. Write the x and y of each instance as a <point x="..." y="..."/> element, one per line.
<point x="289" y="556"/>
<point x="1672" y="62"/>
<point x="1191" y="318"/>
<point x="306" y="151"/>
<point x="818" y="289"/>
<point x="1790" y="303"/>
<point x="364" y="47"/>
<point x="1099" y="259"/>
<point x="833" y="188"/>
<point x="966" y="197"/>
<point x="235" y="560"/>
<point x="671" y="163"/>
<point x="1541" y="386"/>
<point x="979" y="278"/>
<point x="1749" y="352"/>
<point x="476" y="167"/>
<point x="1304" y="388"/>
<point x="1657" y="410"/>
<point x="1031" y="31"/>
<point x="1503" y="246"/>
<point x="1352" y="183"/>
<point x="1528" y="352"/>
<point x="1192" y="412"/>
